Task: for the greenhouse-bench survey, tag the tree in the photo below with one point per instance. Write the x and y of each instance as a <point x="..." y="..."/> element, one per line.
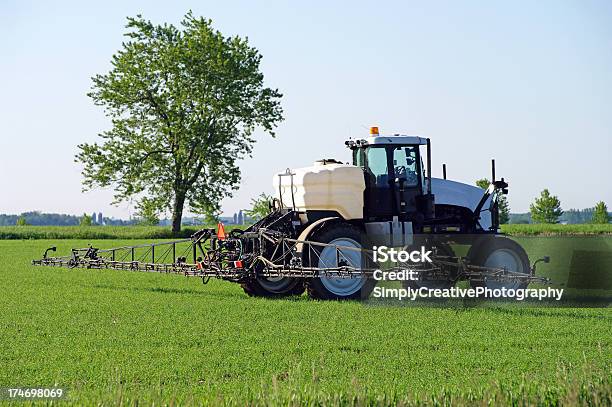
<point x="504" y="209"/>
<point x="600" y="215"/>
<point x="184" y="104"/>
<point x="546" y="208"/>
<point x="483" y="183"/>
<point x="260" y="207"/>
<point x="212" y="218"/>
<point x="85" y="220"/>
<point x="21" y="221"/>
<point x="502" y="202"/>
<point x="147" y="212"/>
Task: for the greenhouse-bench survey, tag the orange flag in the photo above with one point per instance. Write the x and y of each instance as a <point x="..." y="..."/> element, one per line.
<point x="220" y="231"/>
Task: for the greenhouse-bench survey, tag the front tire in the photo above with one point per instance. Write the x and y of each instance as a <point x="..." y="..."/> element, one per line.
<point x="500" y="252"/>
<point x="326" y="288"/>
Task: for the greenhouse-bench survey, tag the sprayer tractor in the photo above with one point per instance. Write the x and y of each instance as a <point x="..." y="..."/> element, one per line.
<point x="326" y="220"/>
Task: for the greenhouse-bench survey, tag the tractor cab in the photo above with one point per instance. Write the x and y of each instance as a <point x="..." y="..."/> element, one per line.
<point x="395" y="177"/>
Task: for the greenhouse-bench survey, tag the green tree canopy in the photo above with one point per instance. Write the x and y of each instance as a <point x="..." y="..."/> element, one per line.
<point x="147" y="212"/>
<point x="260" y="207"/>
<point x="502" y="203"/>
<point x="21" y="221"/>
<point x="85" y="220"/>
<point x="546" y="208"/>
<point x="184" y="104"/>
<point x="483" y="183"/>
<point x="600" y="215"/>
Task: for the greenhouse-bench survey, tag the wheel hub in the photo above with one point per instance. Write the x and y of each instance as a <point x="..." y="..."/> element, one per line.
<point x="333" y="257"/>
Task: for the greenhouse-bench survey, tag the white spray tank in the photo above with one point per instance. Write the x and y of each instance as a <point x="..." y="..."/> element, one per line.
<point x="327" y="185"/>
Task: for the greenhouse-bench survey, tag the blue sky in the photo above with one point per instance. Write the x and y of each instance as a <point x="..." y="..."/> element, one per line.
<point x="528" y="83"/>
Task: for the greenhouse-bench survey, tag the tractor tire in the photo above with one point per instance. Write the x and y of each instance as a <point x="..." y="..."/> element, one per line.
<point x="441" y="250"/>
<point x="498" y="252"/>
<point x="275" y="287"/>
<point x="324" y="288"/>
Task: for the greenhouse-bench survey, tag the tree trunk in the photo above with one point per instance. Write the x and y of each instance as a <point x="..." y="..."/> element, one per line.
<point x="177" y="212"/>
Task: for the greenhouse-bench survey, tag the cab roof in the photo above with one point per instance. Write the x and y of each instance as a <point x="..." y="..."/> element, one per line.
<point x="397" y="139"/>
<point x="400" y="139"/>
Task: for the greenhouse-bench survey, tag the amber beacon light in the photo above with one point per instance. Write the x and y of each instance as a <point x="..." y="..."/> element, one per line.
<point x="374" y="131"/>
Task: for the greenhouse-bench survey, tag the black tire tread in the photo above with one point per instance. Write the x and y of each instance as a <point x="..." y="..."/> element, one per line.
<point x="253" y="289"/>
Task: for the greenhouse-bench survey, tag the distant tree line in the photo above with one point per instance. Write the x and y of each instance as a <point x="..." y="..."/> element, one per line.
<point x="547" y="209"/>
<point x="544" y="209"/>
<point x="570" y="216"/>
<point x="54" y="219"/>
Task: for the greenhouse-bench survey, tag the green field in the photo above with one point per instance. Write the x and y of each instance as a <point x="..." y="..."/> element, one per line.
<point x="556" y="229"/>
<point x="161" y="232"/>
<point x="91" y="232"/>
<point x="120" y="336"/>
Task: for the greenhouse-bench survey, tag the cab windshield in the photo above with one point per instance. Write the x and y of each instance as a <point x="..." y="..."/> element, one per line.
<point x="383" y="164"/>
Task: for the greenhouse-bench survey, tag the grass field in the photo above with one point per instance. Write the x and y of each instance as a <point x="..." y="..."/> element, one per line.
<point x="161" y="232"/>
<point x="120" y="336"/>
<point x="91" y="232"/>
<point x="555" y="229"/>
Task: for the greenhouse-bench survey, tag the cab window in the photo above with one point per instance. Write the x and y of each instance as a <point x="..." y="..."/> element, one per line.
<point x="405" y="165"/>
<point x="377" y="165"/>
<point x="359" y="157"/>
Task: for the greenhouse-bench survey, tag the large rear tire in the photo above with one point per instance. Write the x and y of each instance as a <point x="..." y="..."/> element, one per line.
<point x="499" y="252"/>
<point x="326" y="288"/>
